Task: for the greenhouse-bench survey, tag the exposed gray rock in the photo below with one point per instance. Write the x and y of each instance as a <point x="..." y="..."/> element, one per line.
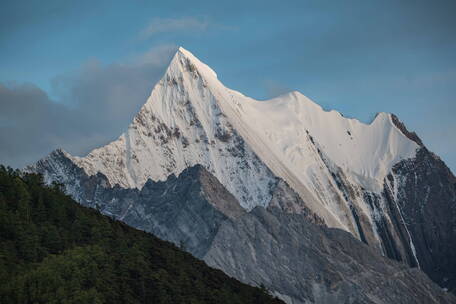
<point x="308" y="263"/>
<point x="186" y="210"/>
<point x="286" y="199"/>
<point x="426" y="196"/>
<point x="416" y="211"/>
<point x="410" y="135"/>
<point x="415" y="214"/>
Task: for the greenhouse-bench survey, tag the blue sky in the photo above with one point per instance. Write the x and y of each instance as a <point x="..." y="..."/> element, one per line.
<point x="73" y="74"/>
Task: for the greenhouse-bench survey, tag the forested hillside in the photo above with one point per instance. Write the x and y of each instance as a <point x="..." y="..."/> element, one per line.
<point x="53" y="250"/>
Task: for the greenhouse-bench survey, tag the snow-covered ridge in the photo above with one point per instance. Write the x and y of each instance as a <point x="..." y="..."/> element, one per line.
<point x="293" y="125"/>
<point x="191" y="117"/>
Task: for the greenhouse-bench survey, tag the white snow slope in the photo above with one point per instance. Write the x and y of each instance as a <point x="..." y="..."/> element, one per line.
<point x="191" y="118"/>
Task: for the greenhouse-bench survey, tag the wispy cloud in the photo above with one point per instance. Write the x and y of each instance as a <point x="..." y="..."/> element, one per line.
<point x="166" y="25"/>
<point x="93" y="105"/>
<point x="157" y="55"/>
<point x="274" y="88"/>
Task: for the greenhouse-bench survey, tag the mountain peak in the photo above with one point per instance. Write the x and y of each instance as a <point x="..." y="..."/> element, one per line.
<point x="184" y="60"/>
<point x="184" y="51"/>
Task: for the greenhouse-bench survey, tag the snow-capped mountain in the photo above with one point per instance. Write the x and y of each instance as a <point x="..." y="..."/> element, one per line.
<point x="182" y="124"/>
<point x="353" y="176"/>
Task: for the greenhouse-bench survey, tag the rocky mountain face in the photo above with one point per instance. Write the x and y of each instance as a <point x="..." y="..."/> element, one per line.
<point x="427" y="201"/>
<point x="186" y="210"/>
<point x="306" y="263"/>
<point x="291" y="253"/>
<point x="376" y="181"/>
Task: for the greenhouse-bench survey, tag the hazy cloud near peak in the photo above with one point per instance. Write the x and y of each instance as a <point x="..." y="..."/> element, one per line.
<point x="275" y="89"/>
<point x="157" y="55"/>
<point x="166" y="25"/>
<point x="93" y="106"/>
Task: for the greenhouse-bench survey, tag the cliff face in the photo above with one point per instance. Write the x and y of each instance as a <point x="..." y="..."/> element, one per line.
<point x="426" y="196"/>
